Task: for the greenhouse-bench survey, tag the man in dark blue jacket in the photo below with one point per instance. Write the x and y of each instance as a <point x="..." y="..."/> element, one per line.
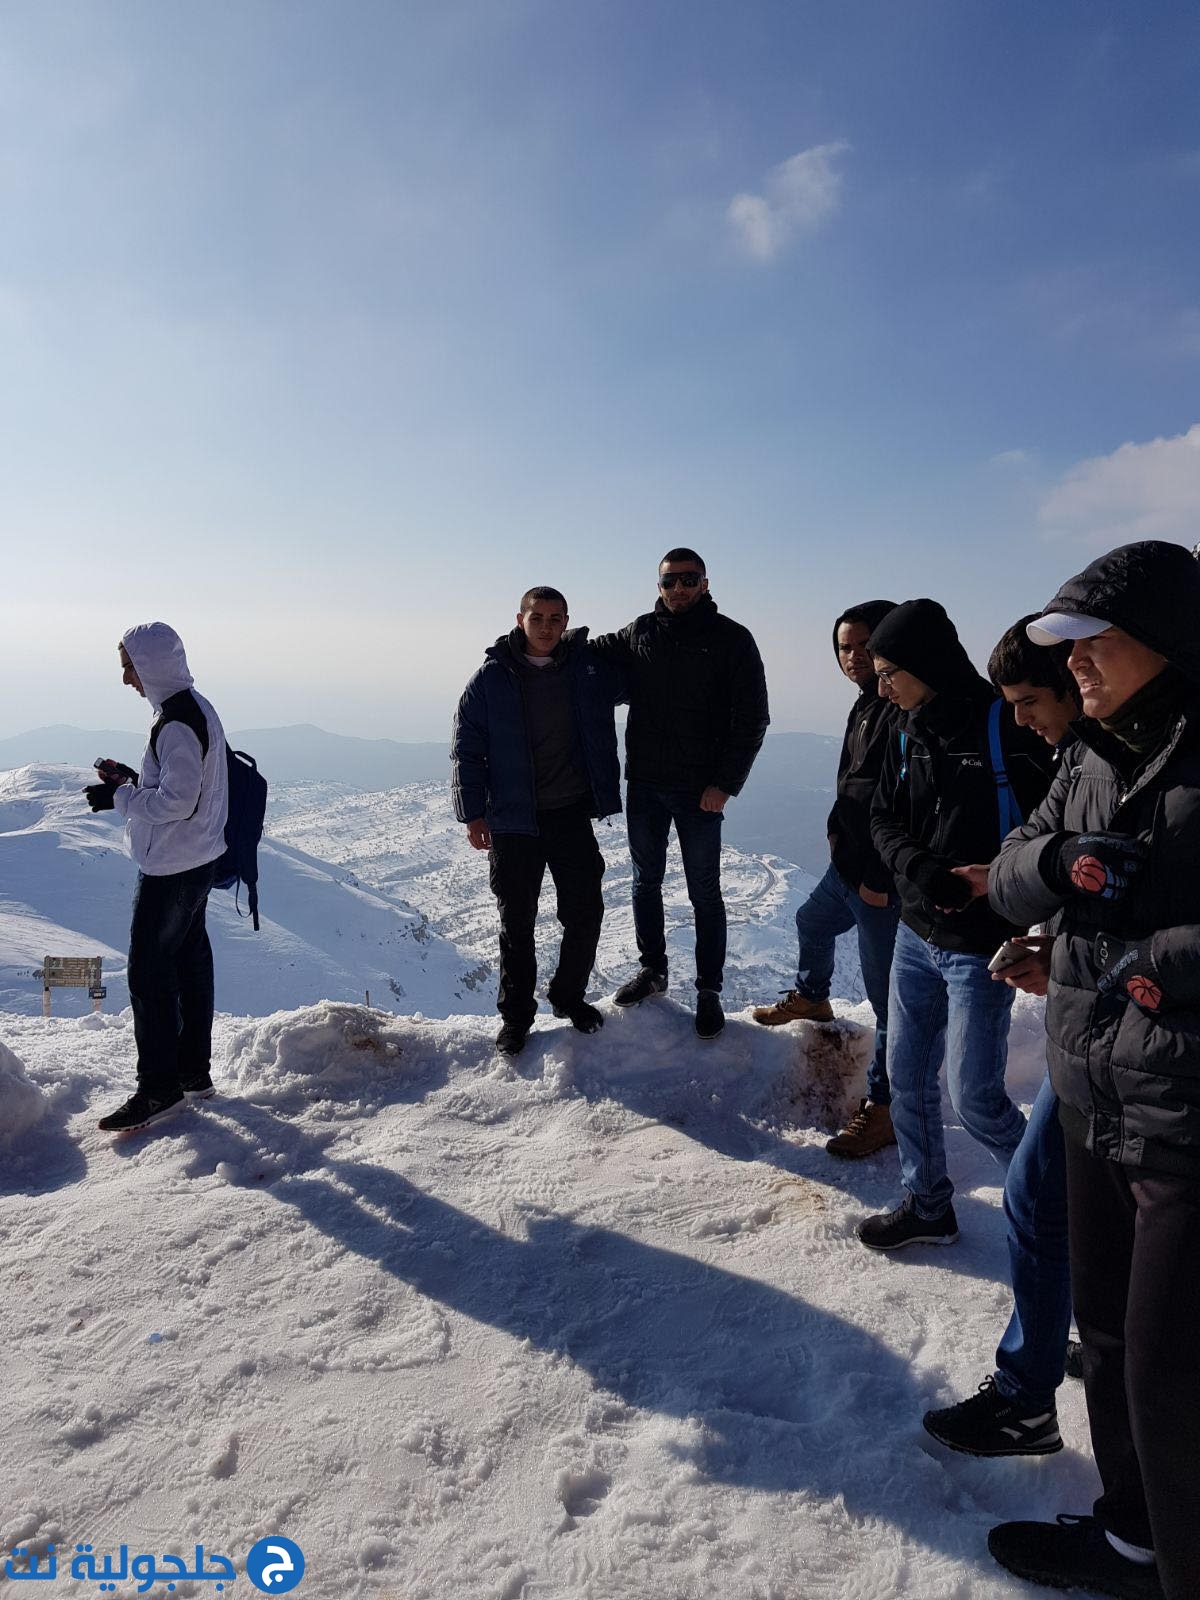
<point x="534" y="750"/>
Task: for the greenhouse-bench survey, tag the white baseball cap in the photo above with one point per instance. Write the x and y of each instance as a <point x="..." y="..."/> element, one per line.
<point x="1059" y="625"/>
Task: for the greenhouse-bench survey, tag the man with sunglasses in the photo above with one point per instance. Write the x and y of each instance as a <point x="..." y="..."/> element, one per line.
<point x="697" y="718"/>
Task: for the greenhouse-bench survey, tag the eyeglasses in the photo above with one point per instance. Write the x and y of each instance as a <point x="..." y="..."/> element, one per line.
<point x="886" y="677"/>
<point x="689" y="580"/>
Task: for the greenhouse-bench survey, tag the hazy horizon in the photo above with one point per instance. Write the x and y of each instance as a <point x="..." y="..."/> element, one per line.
<point x="327" y="331"/>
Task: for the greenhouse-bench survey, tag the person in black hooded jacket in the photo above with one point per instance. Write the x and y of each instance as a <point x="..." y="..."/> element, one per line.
<point x="697" y="719"/>
<point x="959" y="776"/>
<point x="857" y="891"/>
<point x="1112" y="858"/>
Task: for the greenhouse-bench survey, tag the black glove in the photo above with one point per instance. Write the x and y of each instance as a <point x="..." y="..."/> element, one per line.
<point x="1099" y="866"/>
<point x="114" y="771"/>
<point x="1128" y="969"/>
<point x="100" y="796"/>
<point x="938" y="884"/>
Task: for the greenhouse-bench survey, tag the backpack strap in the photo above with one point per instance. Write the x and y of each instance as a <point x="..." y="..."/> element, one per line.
<point x="903" y="755"/>
<point x="182" y="707"/>
<point x="1006" y="801"/>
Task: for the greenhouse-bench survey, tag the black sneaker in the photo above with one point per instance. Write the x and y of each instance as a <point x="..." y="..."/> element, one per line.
<point x="198" y="1088"/>
<point x="710" y="1019"/>
<point x="892" y="1230"/>
<point x="989" y="1425"/>
<point x="140" y="1110"/>
<point x="583" y="1016"/>
<point x="643" y="987"/>
<point x="510" y="1041"/>
<point x="1072" y="1553"/>
<point x="1074" y="1364"/>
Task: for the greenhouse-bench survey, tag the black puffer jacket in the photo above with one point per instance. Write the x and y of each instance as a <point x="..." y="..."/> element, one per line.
<point x="1128" y="1081"/>
<point x="937" y="805"/>
<point x="697" y="698"/>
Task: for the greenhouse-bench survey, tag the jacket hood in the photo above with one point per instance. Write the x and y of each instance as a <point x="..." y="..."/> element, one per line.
<point x="158" y="655"/>
<point x="1151" y="590"/>
<point x="919" y="636"/>
<point x="509" y="648"/>
<point x="869" y="612"/>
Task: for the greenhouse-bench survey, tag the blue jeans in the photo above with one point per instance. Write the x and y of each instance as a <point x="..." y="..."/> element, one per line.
<point x="943" y="1006"/>
<point x="170" y="978"/>
<point x="835" y="907"/>
<point x="1030" y="1356"/>
<point x="649" y="813"/>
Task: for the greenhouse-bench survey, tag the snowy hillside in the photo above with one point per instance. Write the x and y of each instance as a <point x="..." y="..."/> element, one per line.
<point x="66" y="889"/>
<point x="589" y="1326"/>
<point x="406" y="842"/>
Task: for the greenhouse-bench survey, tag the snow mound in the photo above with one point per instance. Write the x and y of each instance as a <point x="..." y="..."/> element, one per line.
<point x="827" y="1075"/>
<point x="330" y="1051"/>
<point x="22" y="1103"/>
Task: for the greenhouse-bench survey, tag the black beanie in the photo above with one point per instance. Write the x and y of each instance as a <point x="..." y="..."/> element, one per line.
<point x="870" y="612"/>
<point x="919" y="636"/>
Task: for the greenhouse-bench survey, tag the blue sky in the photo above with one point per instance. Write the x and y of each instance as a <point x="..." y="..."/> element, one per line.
<point x="326" y="329"/>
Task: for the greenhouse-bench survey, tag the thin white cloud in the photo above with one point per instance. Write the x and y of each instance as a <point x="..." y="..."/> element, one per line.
<point x="1140" y="491"/>
<point x="1012" y="458"/>
<point x="799" y="196"/>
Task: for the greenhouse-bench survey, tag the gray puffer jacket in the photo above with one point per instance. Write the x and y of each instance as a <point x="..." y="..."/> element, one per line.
<point x="1128" y="1080"/>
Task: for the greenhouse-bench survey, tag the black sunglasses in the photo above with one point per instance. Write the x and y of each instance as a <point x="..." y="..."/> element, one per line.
<point x="689" y="580"/>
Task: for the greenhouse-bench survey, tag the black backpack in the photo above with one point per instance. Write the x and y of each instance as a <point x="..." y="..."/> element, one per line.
<point x="247" y="803"/>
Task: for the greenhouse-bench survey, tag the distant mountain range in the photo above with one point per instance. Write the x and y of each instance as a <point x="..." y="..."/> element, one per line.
<point x="781" y="812"/>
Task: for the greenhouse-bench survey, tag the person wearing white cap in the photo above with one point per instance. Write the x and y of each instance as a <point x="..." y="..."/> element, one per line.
<point x="1113" y="856"/>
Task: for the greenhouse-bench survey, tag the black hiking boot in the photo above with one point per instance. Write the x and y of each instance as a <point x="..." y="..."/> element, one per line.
<point x="1072" y="1553"/>
<point x="642" y="987"/>
<point x="987" y="1424"/>
<point x="710" y="1019"/>
<point x="1074" y="1364"/>
<point x="583" y="1016"/>
<point x="199" y="1087"/>
<point x="140" y="1110"/>
<point x="510" y="1041"/>
<point x="892" y="1230"/>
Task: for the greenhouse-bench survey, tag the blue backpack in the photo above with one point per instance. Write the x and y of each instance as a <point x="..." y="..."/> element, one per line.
<point x="247" y="804"/>
<point x="243" y="830"/>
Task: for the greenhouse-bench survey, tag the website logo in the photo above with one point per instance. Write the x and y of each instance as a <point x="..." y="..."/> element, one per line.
<point x="275" y="1565"/>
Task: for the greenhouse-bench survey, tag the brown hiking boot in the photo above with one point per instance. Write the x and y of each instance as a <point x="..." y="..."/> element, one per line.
<point x="869" y="1129"/>
<point x="793" y="1008"/>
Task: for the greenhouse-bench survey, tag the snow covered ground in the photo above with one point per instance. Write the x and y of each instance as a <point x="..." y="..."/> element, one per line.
<point x="377" y="893"/>
<point x="66" y="888"/>
<point x="590" y="1324"/>
<point x="406" y="843"/>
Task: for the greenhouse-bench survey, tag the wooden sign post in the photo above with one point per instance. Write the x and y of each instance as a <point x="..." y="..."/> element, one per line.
<point x="72" y="972"/>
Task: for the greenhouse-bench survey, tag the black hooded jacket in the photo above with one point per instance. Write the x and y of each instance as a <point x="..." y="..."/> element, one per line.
<point x="938" y="805"/>
<point x="870" y="729"/>
<point x="1127" y="1080"/>
<point x="697" y="698"/>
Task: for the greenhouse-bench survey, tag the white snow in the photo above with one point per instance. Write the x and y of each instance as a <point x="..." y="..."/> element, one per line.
<point x="588" y="1324"/>
<point x="591" y="1323"/>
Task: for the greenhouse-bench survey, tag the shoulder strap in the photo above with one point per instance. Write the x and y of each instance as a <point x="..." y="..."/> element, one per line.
<point x="1006" y="802"/>
<point x="903" y="755"/>
<point x="182" y="707"/>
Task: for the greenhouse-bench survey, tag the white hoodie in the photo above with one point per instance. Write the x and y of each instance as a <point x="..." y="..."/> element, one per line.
<point x="175" y="816"/>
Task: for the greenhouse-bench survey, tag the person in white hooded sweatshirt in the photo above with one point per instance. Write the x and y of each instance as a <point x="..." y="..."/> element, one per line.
<point x="175" y="811"/>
